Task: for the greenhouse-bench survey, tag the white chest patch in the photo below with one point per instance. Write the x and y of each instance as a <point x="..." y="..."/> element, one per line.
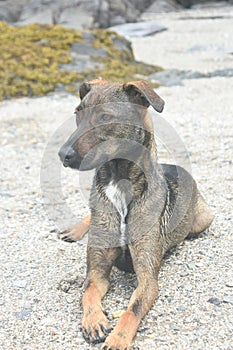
<point x="118" y="199"/>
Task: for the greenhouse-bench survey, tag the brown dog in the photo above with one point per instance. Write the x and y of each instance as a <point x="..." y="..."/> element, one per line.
<point x="139" y="208"/>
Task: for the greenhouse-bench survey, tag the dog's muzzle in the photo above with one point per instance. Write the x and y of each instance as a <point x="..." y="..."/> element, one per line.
<point x="69" y="157"/>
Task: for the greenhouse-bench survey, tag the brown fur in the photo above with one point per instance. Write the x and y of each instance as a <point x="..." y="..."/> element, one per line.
<point x="164" y="205"/>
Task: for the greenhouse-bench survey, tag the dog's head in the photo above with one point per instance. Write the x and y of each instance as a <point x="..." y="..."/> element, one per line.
<point x="111" y="121"/>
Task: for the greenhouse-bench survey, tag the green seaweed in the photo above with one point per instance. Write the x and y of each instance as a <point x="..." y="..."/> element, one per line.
<point x="31" y="58"/>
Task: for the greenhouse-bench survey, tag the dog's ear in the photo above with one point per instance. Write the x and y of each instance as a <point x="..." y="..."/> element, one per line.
<point x="86" y="87"/>
<point x="140" y="92"/>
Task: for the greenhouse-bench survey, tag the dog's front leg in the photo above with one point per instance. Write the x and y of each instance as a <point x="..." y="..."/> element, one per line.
<point x="99" y="263"/>
<point x="146" y="261"/>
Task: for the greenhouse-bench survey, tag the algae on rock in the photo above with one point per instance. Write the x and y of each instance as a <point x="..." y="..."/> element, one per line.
<point x="34" y="59"/>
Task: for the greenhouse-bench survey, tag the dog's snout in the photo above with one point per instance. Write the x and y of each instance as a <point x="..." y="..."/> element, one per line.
<point x="67" y="155"/>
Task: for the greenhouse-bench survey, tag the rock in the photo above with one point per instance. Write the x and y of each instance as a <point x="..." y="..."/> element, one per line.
<point x="181" y="308"/>
<point x="213" y="48"/>
<point x="186" y="3"/>
<point x="144" y="329"/>
<point x="88" y="49"/>
<point x="23" y="313"/>
<point x="10" y="10"/>
<point x="82" y="14"/>
<point x="76" y="18"/>
<point x="163" y="6"/>
<point x="229" y="283"/>
<point x="20" y="283"/>
<point x="191" y="266"/>
<point x="139" y="29"/>
<point x="188" y="287"/>
<point x="172" y="77"/>
<point x="64" y="286"/>
<point x="81" y="63"/>
<point x="214" y="301"/>
<point x="169" y="77"/>
<point x="229" y="325"/>
<point x="117" y="314"/>
<point x="228" y="299"/>
<point x="121" y="44"/>
<point x="70" y="13"/>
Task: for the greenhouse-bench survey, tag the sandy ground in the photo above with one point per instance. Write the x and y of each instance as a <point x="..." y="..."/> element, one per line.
<point x="41" y="278"/>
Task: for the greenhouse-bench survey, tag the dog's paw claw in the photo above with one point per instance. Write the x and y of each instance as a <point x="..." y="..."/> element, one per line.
<point x="66" y="236"/>
<point x="96" y="336"/>
<point x="105" y="331"/>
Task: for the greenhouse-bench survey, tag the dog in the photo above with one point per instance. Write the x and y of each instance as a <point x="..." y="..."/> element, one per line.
<point x="139" y="208"/>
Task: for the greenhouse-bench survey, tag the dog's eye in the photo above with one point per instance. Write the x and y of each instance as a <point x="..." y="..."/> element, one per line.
<point x="106" y="117"/>
<point x="78" y="109"/>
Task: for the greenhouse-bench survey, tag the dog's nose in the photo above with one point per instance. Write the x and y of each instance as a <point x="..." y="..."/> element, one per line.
<point x="67" y="155"/>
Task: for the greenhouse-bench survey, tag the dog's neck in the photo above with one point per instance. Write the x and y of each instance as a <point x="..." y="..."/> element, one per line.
<point x="123" y="174"/>
<point x="122" y="182"/>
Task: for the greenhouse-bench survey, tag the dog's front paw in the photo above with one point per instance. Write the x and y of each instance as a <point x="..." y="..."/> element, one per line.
<point x="76" y="232"/>
<point x="95" y="327"/>
<point x="67" y="236"/>
<point x="117" y="341"/>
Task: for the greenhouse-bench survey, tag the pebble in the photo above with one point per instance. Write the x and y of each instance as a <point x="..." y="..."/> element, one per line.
<point x="229" y="325"/>
<point x="169" y="299"/>
<point x="23" y="313"/>
<point x="188" y="287"/>
<point x="20" y="283"/>
<point x="214" y="301"/>
<point x="229" y="283"/>
<point x="70" y="298"/>
<point x="144" y="329"/>
<point x="228" y="299"/>
<point x="64" y="286"/>
<point x="181" y="308"/>
<point x="118" y="313"/>
<point x="191" y="266"/>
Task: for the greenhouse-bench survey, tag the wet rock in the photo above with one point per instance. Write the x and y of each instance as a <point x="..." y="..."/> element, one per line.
<point x="139" y="29"/>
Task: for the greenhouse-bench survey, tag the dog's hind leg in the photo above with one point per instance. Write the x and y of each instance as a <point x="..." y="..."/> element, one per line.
<point x="202" y="218"/>
<point x="76" y="232"/>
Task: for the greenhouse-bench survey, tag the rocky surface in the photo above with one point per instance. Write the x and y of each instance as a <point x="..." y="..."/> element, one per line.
<point x="41" y="278"/>
<point x="83" y="14"/>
